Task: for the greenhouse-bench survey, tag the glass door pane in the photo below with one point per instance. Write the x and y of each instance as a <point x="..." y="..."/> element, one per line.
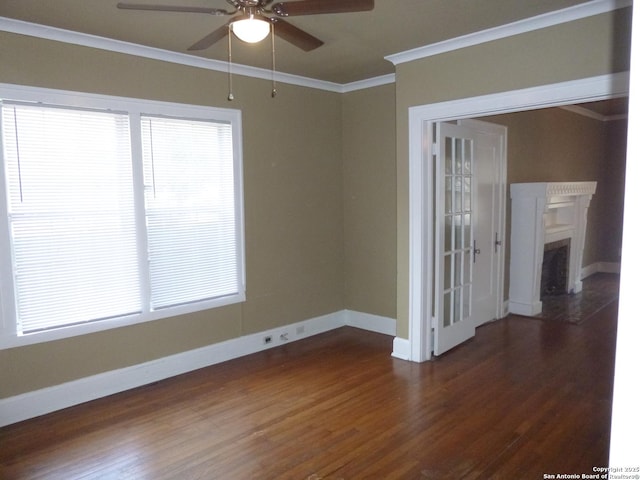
<point x="457" y="242"/>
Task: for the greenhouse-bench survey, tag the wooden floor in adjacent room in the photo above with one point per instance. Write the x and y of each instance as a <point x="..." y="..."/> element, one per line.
<point x="525" y="397"/>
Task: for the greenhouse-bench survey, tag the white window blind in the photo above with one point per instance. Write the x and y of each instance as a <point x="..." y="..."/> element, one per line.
<point x="114" y="211"/>
<point x="190" y="210"/>
<point x="71" y="215"/>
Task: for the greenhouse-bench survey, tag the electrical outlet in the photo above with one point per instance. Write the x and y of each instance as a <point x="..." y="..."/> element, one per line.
<point x="284" y="337"/>
<point x="268" y="339"/>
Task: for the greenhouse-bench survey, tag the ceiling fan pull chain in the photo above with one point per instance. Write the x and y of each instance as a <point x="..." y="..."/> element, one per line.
<point x="273" y="61"/>
<point x="230" y="96"/>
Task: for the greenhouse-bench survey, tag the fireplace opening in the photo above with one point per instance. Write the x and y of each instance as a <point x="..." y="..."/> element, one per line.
<point x="555" y="266"/>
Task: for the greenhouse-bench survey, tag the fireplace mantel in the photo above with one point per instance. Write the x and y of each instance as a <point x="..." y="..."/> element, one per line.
<point x="542" y="213"/>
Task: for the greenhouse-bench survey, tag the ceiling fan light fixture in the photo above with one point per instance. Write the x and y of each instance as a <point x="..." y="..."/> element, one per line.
<point x="251" y="29"/>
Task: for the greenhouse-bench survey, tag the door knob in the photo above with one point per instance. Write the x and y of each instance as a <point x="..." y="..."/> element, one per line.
<point x="476" y="251"/>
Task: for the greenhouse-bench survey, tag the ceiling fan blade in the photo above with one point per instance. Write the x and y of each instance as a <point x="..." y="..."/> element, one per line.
<point x="213" y="37"/>
<point x="314" y="7"/>
<point x="295" y="36"/>
<point x="172" y="8"/>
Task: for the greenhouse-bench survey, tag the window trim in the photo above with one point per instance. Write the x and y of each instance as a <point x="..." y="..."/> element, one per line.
<point x="9" y="336"/>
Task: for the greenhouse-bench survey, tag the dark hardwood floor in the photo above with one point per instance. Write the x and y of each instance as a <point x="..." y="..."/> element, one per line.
<point x="599" y="290"/>
<point x="525" y="397"/>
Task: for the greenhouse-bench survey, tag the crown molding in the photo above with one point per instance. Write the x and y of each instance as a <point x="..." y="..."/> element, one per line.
<point x="593" y="7"/>
<point x="585" y="112"/>
<point x="570" y="14"/>
<point x="93" y="41"/>
<point x="368" y="83"/>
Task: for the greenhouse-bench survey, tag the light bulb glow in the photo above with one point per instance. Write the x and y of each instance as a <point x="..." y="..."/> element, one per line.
<point x="251" y="29"/>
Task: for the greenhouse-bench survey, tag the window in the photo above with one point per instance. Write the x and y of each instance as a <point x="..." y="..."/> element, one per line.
<point x="188" y="171"/>
<point x="115" y="211"/>
<point x="71" y="215"/>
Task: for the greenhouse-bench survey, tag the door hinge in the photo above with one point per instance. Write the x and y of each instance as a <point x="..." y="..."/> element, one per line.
<point x="432" y="343"/>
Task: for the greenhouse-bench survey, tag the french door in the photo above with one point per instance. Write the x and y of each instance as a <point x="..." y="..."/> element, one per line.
<point x="454" y="238"/>
<point x="468" y="236"/>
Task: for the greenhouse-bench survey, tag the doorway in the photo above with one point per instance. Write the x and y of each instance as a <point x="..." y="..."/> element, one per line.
<point x="418" y="347"/>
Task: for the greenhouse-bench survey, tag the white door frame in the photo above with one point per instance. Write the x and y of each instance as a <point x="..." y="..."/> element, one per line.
<point x="421" y="178"/>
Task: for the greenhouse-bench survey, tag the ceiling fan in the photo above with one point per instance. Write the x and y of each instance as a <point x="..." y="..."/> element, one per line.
<point x="252" y="20"/>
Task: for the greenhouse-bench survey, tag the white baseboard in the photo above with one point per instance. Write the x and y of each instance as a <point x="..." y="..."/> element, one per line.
<point x="39" y="402"/>
<point x="401" y="348"/>
<point x="368" y="321"/>
<point x="505" y="309"/>
<point x="600" y="267"/>
<point x="526" y="309"/>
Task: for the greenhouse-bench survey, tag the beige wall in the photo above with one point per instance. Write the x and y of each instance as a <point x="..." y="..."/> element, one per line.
<point x="584" y="48"/>
<point x="293" y="207"/>
<point x="370" y="200"/>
